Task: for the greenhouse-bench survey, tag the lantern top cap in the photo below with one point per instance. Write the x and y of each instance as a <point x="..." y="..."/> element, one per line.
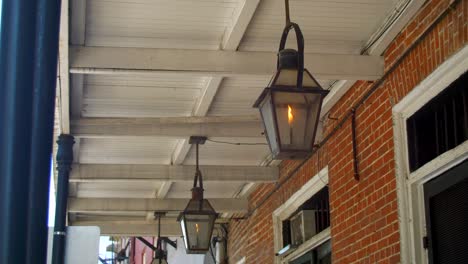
<point x="288" y="59"/>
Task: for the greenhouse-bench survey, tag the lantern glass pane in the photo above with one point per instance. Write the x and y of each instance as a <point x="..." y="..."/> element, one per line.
<point x="309" y="82"/>
<point x="199" y="229"/>
<point x="184" y="231"/>
<point x="266" y="111"/>
<point x="286" y="77"/>
<point x="296" y="115"/>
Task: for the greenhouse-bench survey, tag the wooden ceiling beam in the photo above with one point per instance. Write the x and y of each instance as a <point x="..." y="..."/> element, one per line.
<point x="176" y="127"/>
<point x="100" y="205"/>
<point x="175" y="173"/>
<point x="112" y="60"/>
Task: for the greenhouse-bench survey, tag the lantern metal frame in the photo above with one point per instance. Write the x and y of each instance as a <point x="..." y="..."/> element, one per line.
<point x="160" y="254"/>
<point x="289" y="59"/>
<point x="203" y="205"/>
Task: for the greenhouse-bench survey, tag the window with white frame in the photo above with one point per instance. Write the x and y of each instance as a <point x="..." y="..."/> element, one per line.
<point x="301" y="224"/>
<point x="431" y="153"/>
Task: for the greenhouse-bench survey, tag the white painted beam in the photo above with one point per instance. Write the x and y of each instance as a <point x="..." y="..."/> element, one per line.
<point x="97" y="220"/>
<point x="201" y="109"/>
<point x="152" y="173"/>
<point x="125" y="229"/>
<point x="102" y="60"/>
<point x="143" y="229"/>
<point x="178" y="127"/>
<point x="97" y="205"/>
<point x="203" y="104"/>
<point x="63" y="69"/>
<point x="241" y="19"/>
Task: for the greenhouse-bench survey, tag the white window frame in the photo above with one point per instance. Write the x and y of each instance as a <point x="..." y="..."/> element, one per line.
<point x="314" y="185"/>
<point x="411" y="210"/>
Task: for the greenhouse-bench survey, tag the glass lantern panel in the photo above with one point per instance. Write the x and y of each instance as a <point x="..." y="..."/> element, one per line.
<point x="296" y="115"/>
<point x="266" y="110"/>
<point x="199" y="229"/>
<point x="309" y="82"/>
<point x="286" y="77"/>
<point x="184" y="231"/>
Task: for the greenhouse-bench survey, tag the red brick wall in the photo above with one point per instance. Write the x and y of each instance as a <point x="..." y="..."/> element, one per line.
<point x="364" y="218"/>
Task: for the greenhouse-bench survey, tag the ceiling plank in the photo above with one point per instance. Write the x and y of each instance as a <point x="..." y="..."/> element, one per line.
<point x="111" y="60"/>
<point x="178" y="127"/>
<point x="241" y="20"/>
<point x="98" y="205"/>
<point x="175" y="173"/>
<point x="78" y="22"/>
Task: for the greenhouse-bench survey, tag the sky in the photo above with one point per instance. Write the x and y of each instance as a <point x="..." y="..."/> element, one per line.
<point x="51" y="220"/>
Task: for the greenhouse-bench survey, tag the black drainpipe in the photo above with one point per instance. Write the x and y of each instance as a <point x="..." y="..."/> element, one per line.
<point x="64" y="161"/>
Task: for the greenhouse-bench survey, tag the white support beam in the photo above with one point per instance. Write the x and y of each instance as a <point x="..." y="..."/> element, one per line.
<point x="203" y="104"/>
<point x="97" y="220"/>
<point x="125" y="229"/>
<point x="241" y="20"/>
<point x="201" y="109"/>
<point x="99" y="205"/>
<point x="63" y="69"/>
<point x="107" y="60"/>
<point x="178" y="127"/>
<point x="152" y="173"/>
<point x="168" y="229"/>
<point x="164" y="189"/>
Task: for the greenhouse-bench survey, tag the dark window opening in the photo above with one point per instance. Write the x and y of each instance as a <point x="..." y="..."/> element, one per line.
<point x="446" y="204"/>
<point x="440" y="125"/>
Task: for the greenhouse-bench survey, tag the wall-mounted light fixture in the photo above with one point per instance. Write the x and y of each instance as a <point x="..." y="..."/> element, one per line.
<point x="290" y="105"/>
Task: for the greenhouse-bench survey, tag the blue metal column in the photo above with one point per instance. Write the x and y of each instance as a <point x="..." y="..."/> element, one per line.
<point x="27" y="88"/>
<point x="64" y="161"/>
<point x="16" y="78"/>
<point x="47" y="39"/>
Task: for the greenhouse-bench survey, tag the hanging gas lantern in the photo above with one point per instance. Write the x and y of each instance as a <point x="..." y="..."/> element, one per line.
<point x="198" y="218"/>
<point x="290" y="105"/>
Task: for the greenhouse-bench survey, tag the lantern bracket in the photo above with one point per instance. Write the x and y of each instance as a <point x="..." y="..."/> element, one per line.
<point x="197" y="191"/>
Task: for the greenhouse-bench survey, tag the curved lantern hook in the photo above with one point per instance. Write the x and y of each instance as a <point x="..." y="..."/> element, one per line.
<point x="300" y="45"/>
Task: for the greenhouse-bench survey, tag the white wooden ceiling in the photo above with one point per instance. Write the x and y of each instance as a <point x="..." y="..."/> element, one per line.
<point x="141" y="90"/>
<point x="329" y="26"/>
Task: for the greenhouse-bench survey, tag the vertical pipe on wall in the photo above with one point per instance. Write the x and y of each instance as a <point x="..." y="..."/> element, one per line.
<point x="355" y="155"/>
<point x="45" y="69"/>
<point x="64" y="161"/>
